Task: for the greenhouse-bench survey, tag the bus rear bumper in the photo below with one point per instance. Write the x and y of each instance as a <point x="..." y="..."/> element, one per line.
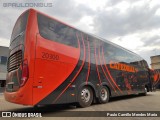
<point x="17" y="97"/>
<point x="22" y="96"/>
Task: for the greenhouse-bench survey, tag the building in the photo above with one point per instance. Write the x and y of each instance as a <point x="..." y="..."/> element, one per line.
<point x="4" y="51"/>
<point x="155" y="62"/>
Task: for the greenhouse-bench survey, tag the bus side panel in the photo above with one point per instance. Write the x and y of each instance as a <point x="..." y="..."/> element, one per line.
<point x="53" y="64"/>
<point x="30" y="47"/>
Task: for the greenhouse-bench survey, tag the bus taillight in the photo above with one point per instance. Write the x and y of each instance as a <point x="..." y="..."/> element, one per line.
<point x="25" y="73"/>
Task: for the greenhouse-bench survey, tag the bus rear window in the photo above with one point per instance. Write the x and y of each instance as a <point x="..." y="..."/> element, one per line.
<point x="56" y="31"/>
<point x="20" y="25"/>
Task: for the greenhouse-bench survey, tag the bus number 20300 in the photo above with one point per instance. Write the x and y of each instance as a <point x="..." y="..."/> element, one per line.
<point x="50" y="56"/>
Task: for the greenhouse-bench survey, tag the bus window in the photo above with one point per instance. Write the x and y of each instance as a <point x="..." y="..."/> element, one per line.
<point x="56" y="31"/>
<point x="20" y="25"/>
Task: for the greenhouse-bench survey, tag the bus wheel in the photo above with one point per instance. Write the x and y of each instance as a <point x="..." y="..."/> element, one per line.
<point x="85" y="97"/>
<point x="103" y="95"/>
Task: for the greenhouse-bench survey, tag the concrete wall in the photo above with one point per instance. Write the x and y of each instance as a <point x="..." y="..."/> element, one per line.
<point x="4" y="51"/>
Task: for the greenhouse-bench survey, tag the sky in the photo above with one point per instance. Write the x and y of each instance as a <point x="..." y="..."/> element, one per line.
<point x="132" y="24"/>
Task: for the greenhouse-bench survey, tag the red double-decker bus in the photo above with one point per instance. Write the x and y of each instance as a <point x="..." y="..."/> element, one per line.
<point x="51" y="62"/>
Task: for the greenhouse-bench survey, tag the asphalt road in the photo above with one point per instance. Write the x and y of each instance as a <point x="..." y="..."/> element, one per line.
<point x="151" y="102"/>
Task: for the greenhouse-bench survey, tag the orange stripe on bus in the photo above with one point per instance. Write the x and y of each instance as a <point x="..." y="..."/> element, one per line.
<point x="105" y="73"/>
<point x="96" y="64"/>
<point x="109" y="73"/>
<point x="88" y="73"/>
<point x="77" y="72"/>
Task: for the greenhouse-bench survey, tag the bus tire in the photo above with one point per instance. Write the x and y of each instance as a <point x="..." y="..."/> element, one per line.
<point x="85" y="97"/>
<point x="103" y="95"/>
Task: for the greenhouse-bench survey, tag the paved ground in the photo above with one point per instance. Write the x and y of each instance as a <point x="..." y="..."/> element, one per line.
<point x="151" y="102"/>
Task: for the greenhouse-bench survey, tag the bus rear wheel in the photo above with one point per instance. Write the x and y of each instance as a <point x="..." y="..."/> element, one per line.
<point x="85" y="96"/>
<point x="103" y="95"/>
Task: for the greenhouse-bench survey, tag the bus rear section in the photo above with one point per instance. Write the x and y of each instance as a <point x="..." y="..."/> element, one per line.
<point x="18" y="87"/>
<point x="57" y="54"/>
<point x="43" y="54"/>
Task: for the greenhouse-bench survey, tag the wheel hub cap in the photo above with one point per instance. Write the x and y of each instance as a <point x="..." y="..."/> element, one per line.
<point x="85" y="95"/>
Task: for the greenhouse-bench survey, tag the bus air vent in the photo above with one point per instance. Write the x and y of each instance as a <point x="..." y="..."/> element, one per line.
<point x="14" y="61"/>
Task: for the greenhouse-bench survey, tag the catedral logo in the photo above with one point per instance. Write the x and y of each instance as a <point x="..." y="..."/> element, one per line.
<point x="121" y="66"/>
